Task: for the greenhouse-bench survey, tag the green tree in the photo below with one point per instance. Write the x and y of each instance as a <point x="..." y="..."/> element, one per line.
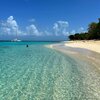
<point x="93" y="32"/>
<point x="92" y="27"/>
<point x="97" y="33"/>
<point x="71" y="37"/>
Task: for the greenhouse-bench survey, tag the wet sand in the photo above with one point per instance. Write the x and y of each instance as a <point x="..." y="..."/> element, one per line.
<point x="80" y="53"/>
<point x="85" y="49"/>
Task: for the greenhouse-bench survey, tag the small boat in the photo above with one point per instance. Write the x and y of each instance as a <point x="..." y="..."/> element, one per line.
<point x="16" y="40"/>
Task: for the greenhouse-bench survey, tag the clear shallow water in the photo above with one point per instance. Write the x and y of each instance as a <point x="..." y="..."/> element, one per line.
<point x="40" y="73"/>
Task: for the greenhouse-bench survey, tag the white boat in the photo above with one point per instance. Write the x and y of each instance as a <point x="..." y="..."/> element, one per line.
<point x="16" y="40"/>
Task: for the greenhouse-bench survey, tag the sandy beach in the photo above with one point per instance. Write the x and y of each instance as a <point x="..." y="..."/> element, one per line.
<point x="88" y="51"/>
<point x="89" y="45"/>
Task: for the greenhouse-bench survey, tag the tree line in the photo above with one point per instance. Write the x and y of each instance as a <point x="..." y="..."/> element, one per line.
<point x="92" y="34"/>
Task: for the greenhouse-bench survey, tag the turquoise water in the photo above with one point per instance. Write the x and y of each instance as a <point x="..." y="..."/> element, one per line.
<point x="24" y="43"/>
<point x="40" y="73"/>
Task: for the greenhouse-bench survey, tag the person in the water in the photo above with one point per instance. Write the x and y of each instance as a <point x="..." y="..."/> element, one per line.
<point x="27" y="45"/>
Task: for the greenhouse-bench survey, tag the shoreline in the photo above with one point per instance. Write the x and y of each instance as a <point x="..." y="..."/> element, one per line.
<point x="85" y="44"/>
<point x="87" y="51"/>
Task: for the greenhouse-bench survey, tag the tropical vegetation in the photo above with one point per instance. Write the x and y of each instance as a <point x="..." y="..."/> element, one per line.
<point x="93" y="33"/>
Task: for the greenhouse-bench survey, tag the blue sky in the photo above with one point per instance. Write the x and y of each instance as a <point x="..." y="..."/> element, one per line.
<point x="47" y="18"/>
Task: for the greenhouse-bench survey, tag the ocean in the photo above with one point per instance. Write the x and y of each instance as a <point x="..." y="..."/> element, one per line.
<point x="40" y="73"/>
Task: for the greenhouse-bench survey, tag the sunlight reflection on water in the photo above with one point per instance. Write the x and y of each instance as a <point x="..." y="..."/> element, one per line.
<point x="39" y="73"/>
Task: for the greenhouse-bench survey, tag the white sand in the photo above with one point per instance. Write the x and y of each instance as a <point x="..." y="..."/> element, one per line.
<point x="79" y="48"/>
<point x="90" y="45"/>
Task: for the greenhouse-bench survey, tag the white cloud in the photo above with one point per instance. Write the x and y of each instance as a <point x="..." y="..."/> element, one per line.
<point x="56" y="28"/>
<point x="11" y="22"/>
<point x="60" y="28"/>
<point x="73" y="32"/>
<point x="47" y="33"/>
<point x="10" y="27"/>
<point x="80" y="30"/>
<point x="32" y="20"/>
<point x="6" y="30"/>
<point x="32" y="30"/>
<point x="63" y="23"/>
